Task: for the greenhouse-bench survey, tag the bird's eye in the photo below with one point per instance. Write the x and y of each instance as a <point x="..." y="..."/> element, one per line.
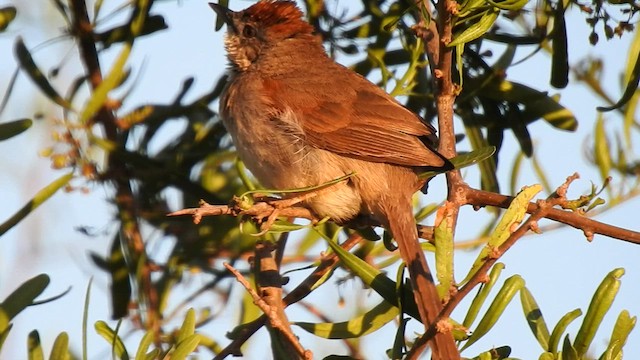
<point x="249" y="31"/>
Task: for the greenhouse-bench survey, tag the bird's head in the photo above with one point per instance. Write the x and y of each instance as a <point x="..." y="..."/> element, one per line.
<point x="255" y="29"/>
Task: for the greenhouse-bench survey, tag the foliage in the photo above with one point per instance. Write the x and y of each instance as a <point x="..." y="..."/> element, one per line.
<point x="98" y="142"/>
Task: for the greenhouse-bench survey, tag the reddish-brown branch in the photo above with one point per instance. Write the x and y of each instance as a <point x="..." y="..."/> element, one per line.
<point x="479" y="198"/>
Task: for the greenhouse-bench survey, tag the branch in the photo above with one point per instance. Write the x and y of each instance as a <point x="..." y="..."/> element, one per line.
<point x="270" y="300"/>
<point x="125" y="201"/>
<point x="245" y="331"/>
<point x="479" y="198"/>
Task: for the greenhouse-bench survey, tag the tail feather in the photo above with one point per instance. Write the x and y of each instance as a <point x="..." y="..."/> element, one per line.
<point x="402" y="225"/>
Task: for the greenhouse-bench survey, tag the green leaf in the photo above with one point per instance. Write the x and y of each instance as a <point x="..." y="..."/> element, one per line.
<point x="600" y="304"/>
<point x="621" y="330"/>
<point x="510" y="5"/>
<point x="7" y="14"/>
<point x="42" y="195"/>
<point x="534" y="318"/>
<point x="559" y="329"/>
<point x="443" y="235"/>
<point x="629" y="91"/>
<point x="568" y="351"/>
<point x="186" y="347"/>
<point x="601" y="152"/>
<point x="13" y="128"/>
<point x="464" y="160"/>
<point x="85" y="320"/>
<point x="24" y="295"/>
<point x="188" y="327"/>
<point x="507" y="225"/>
<point x="219" y="20"/>
<point x="60" y="349"/>
<point x="364" y="324"/>
<point x="511" y="286"/>
<point x="34" y="346"/>
<point x="479" y="299"/>
<point x="110" y="82"/>
<point x="113" y="339"/>
<point x="27" y="64"/>
<point x="374" y="278"/>
<point x="477" y="29"/>
<point x="145" y="342"/>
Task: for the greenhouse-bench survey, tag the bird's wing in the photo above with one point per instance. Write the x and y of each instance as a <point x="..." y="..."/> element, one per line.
<point x="367" y="124"/>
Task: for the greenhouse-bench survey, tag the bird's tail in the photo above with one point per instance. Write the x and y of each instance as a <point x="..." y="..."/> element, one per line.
<point x="402" y="225"/>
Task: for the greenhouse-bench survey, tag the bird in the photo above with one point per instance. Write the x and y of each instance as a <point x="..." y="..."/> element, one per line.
<point x="297" y="118"/>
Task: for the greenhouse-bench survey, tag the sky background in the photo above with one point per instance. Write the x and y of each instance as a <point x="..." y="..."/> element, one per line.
<point x="560" y="267"/>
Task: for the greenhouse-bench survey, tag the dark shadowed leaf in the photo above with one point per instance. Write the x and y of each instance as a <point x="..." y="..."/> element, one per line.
<point x="29" y="66"/>
<point x="13" y="128"/>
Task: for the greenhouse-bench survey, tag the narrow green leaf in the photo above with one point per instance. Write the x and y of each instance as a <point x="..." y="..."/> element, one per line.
<point x="464" y="160"/>
<point x="42" y="195"/>
<point x="601" y="152"/>
<point x="113" y="339"/>
<point x="364" y="324"/>
<point x="188" y="327"/>
<point x="621" y="330"/>
<point x="34" y="346"/>
<point x="186" y="347"/>
<point x="444" y="256"/>
<point x="479" y="299"/>
<point x="27" y="64"/>
<point x="367" y="273"/>
<point x="511" y="286"/>
<point x="477" y="29"/>
<point x="568" y="351"/>
<point x="219" y="20"/>
<point x="24" y="295"/>
<point x="600" y="304"/>
<point x="7" y="14"/>
<point x="559" y="329"/>
<point x="631" y="88"/>
<point x="534" y="317"/>
<point x="510" y="5"/>
<point x="510" y="219"/>
<point x="60" y="349"/>
<point x="85" y="319"/>
<point x="110" y="82"/>
<point x="13" y="128"/>
<point x="375" y="279"/>
<point x="143" y="347"/>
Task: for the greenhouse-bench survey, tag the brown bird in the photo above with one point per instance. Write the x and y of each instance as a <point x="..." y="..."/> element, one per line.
<point x="298" y="118"/>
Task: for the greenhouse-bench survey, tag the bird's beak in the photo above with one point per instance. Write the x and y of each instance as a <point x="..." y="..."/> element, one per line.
<point x="225" y="15"/>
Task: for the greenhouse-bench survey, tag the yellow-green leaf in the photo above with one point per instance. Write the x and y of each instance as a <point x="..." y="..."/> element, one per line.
<point x="7" y="14"/>
<point x="42" y="195"/>
<point x="600" y="304"/>
<point x="511" y="218"/>
<point x="511" y="286"/>
<point x="34" y="346"/>
<point x="364" y="324"/>
<point x="534" y="318"/>
<point x="60" y="349"/>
